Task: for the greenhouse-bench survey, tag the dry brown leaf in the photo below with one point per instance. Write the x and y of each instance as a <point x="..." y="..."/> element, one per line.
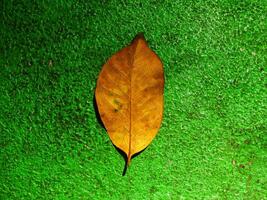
<point x="129" y="96"/>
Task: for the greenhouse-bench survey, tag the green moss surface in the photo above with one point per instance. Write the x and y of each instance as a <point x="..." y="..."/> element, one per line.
<point x="212" y="143"/>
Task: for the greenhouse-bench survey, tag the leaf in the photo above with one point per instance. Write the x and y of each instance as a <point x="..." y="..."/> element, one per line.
<point x="129" y="96"/>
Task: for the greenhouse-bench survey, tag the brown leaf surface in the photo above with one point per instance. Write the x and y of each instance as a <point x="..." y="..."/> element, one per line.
<point x="129" y="96"/>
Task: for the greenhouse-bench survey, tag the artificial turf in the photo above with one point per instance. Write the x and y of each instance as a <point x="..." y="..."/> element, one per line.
<point x="212" y="143"/>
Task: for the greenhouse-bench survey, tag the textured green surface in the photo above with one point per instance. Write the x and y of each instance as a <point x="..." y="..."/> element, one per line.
<point x="212" y="144"/>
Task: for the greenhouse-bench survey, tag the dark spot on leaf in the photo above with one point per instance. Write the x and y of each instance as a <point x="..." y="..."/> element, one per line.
<point x="116" y="110"/>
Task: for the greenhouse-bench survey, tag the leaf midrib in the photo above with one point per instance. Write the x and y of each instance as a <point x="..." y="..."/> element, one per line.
<point x="132" y="51"/>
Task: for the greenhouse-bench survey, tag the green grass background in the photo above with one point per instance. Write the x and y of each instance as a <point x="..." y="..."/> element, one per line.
<point x="212" y="143"/>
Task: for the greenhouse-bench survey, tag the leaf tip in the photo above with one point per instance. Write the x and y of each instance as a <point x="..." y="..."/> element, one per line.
<point x="139" y="36"/>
